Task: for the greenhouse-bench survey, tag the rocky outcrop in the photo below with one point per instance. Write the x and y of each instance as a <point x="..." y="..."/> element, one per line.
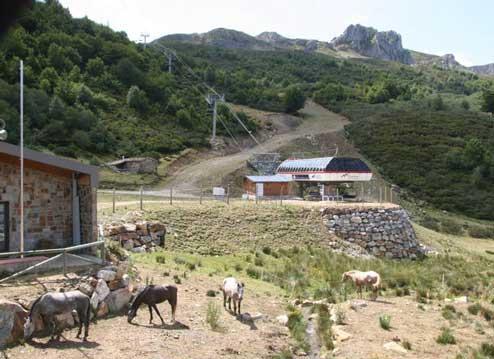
<point x="265" y="163"/>
<point x="379" y="232"/>
<point x="483" y="69"/>
<point x="281" y="42"/>
<point x="367" y="41"/>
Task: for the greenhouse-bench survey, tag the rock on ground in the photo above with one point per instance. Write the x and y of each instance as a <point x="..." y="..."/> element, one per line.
<point x="12" y="318"/>
<point x="118" y="300"/>
<point x="395" y="347"/>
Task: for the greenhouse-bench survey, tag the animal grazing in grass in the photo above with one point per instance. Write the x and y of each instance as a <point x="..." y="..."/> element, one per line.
<point x="152" y="295"/>
<point x="232" y="290"/>
<point x="50" y="305"/>
<point x="364" y="279"/>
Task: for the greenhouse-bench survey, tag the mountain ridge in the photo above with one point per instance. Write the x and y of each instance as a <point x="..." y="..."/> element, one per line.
<point x="356" y="41"/>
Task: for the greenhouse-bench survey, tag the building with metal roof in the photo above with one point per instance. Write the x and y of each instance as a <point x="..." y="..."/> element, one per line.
<point x="326" y="169"/>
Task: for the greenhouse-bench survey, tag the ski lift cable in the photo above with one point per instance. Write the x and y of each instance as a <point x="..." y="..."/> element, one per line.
<point x="230" y="108"/>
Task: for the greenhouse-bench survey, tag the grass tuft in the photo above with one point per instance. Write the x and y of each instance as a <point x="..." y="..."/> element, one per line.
<point x="446" y="337"/>
<point x="385" y="322"/>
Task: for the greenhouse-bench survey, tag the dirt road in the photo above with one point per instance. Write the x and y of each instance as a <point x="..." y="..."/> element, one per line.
<point x="318" y="120"/>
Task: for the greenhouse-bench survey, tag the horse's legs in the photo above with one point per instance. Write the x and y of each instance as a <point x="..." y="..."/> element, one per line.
<point x="234" y="306"/>
<point x="158" y="312"/>
<point x="150" y="314"/>
<point x="239" y="302"/>
<point x="173" y="304"/>
<point x="230" y="303"/>
<point x="224" y="300"/>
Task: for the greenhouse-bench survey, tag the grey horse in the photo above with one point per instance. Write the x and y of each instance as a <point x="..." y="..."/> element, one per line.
<point x="51" y="304"/>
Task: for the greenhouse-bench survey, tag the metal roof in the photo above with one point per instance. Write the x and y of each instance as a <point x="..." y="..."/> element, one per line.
<point x="312" y="164"/>
<point x="266" y="179"/>
<point x="324" y="164"/>
<point x="50" y="160"/>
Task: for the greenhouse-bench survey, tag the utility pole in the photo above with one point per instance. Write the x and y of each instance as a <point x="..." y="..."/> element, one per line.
<point x="169" y="54"/>
<point x="145" y="38"/>
<point x="212" y="100"/>
<point x="21" y="200"/>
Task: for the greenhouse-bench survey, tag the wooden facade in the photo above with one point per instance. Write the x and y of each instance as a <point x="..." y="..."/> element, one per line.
<point x="263" y="186"/>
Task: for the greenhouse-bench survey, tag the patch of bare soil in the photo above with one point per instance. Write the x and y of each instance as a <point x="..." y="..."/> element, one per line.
<point x="420" y="327"/>
<point x="189" y="337"/>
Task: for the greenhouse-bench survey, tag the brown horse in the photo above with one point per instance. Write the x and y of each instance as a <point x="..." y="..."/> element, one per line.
<point x="152" y="295"/>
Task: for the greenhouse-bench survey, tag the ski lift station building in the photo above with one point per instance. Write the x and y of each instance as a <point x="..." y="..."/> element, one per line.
<point x="327" y="172"/>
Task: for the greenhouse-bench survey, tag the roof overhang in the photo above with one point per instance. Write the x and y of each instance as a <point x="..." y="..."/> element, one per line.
<point x="52" y="161"/>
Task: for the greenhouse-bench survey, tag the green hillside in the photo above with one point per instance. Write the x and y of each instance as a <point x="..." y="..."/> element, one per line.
<point x="91" y="93"/>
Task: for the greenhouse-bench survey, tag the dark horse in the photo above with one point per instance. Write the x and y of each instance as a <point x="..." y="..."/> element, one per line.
<point x="152" y="295"/>
<point x="49" y="305"/>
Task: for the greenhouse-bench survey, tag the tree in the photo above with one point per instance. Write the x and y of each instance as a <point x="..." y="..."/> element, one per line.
<point x="437" y="103"/>
<point x="465" y="105"/>
<point x="294" y="99"/>
<point x="137" y="99"/>
<point x="95" y="67"/>
<point x="487" y="104"/>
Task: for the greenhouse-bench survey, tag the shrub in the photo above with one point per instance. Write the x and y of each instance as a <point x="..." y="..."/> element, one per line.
<point x="177" y="279"/>
<point x="191" y="266"/>
<point x="324" y="327"/>
<point x="166" y="274"/>
<point x="161" y="259"/>
<point x="474" y="309"/>
<point x="297" y="327"/>
<point x="487" y="314"/>
<point x="449" y="312"/>
<point x="266" y="250"/>
<point x="238" y="267"/>
<point x="340" y="316"/>
<point x="213" y="316"/>
<point x="253" y="272"/>
<point x="211" y="293"/>
<point x="487" y="350"/>
<point x="446" y="337"/>
<point x="259" y="262"/>
<point x="179" y="260"/>
<point x="451" y="227"/>
<point x="481" y="232"/>
<point x="407" y="345"/>
<point x="385" y="321"/>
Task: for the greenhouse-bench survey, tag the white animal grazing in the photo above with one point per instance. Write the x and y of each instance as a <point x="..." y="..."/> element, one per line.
<point x="364" y="279"/>
<point x="232" y="289"/>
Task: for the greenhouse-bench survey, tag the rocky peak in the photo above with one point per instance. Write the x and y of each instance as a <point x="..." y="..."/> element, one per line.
<point x="271" y="37"/>
<point x="448" y="61"/>
<point x="367" y="41"/>
<point x="483" y="69"/>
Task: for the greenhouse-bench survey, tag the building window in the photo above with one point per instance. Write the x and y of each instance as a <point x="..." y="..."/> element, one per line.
<point x="4" y="226"/>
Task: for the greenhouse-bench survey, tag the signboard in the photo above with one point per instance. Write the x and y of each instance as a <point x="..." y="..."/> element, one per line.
<point x="218" y="192"/>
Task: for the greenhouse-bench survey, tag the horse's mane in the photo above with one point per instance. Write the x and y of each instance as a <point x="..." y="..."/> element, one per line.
<point x="139" y="296"/>
<point x="32" y="306"/>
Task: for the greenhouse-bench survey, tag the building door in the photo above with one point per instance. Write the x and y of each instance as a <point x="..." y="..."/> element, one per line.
<point x="260" y="189"/>
<point x="4" y="227"/>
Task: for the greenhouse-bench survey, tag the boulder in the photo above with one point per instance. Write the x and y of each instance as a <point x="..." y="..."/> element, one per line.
<point x="130" y="227"/>
<point x="358" y="304"/>
<point x="128" y="245"/>
<point x="12" y="318"/>
<point x="339" y="334"/>
<point x="156" y="227"/>
<point x="395" y="347"/>
<point x="141" y="249"/>
<point x="118" y="300"/>
<point x="100" y="293"/>
<point x="107" y="275"/>
<point x="282" y="319"/>
<point x="103" y="310"/>
<point x="114" y="230"/>
<point x="87" y="289"/>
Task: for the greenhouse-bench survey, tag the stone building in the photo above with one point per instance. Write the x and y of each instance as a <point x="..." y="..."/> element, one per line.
<point x="59" y="200"/>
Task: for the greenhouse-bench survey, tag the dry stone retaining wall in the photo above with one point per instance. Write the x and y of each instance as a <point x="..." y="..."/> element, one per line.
<point x="380" y="232"/>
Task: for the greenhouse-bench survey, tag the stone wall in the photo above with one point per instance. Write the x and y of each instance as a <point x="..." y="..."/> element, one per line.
<point x="379" y="232"/>
<point x="47" y="208"/>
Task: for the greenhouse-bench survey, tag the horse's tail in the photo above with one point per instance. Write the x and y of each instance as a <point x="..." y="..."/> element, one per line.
<point x="377" y="284"/>
<point x="32" y="307"/>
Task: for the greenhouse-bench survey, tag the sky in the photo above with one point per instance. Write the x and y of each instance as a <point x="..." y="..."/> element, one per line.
<point x="461" y="27"/>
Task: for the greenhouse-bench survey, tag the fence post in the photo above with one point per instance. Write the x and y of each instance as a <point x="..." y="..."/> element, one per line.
<point x="228" y="194"/>
<point x="200" y="198"/>
<point x="103" y="254"/>
<point x="380" y="194"/>
<point x="64" y="263"/>
<point x="337" y="194"/>
<point x="113" y="200"/>
<point x="141" y="198"/>
<point x="362" y="191"/>
<point x="171" y="195"/>
<point x="391" y="194"/>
